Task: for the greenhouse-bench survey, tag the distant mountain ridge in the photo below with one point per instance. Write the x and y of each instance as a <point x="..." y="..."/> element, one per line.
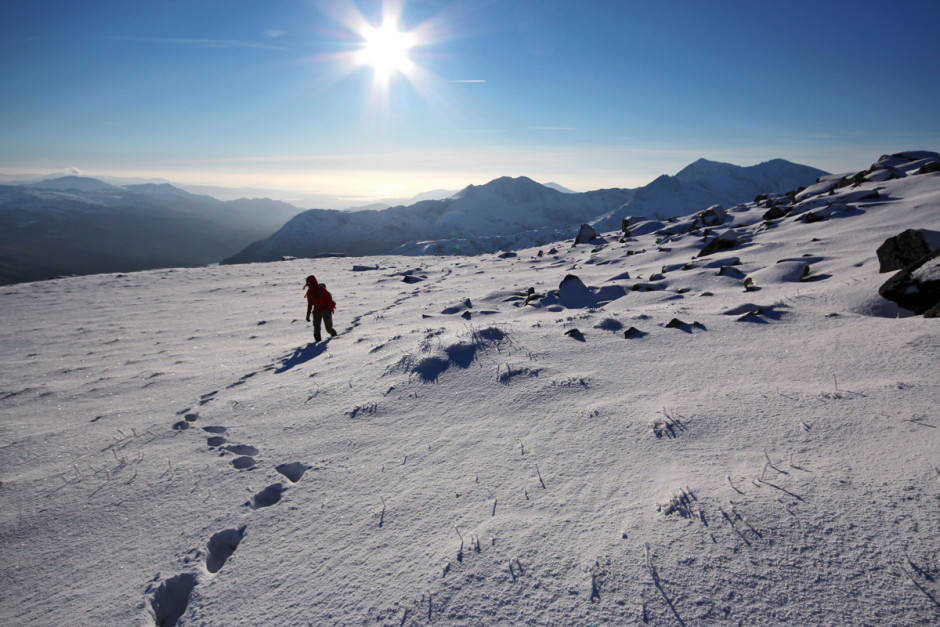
<point x="501" y="207"/>
<point x="73" y="183"/>
<point x="509" y="213"/>
<point x="80" y="225"/>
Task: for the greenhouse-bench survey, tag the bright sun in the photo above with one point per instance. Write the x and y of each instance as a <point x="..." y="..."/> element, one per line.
<point x="385" y="49"/>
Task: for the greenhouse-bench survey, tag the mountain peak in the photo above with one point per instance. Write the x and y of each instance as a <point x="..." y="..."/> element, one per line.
<point x="704" y="169"/>
<point x="518" y="188"/>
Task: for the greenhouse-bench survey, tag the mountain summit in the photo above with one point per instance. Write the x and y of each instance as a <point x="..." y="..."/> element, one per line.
<point x="704" y="183"/>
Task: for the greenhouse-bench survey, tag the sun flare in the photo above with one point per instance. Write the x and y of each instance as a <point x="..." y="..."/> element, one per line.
<point x="385" y="50"/>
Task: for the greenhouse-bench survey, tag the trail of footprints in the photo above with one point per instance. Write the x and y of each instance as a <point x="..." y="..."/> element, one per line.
<point x="168" y="599"/>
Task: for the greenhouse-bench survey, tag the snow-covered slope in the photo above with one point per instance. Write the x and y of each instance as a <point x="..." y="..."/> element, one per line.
<point x="175" y="451"/>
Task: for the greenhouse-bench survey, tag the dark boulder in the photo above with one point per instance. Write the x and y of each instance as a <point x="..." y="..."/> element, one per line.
<point x="916" y="287"/>
<point x="586" y="234"/>
<point x="725" y="241"/>
<point x="573" y="292"/>
<point x="775" y="213"/>
<point x="713" y="216"/>
<point x="902" y="250"/>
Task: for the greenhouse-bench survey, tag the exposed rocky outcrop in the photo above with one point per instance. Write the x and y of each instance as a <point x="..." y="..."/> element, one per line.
<point x="905" y="248"/>
<point x="585" y="234"/>
<point x="725" y="241"/>
<point x="917" y="287"/>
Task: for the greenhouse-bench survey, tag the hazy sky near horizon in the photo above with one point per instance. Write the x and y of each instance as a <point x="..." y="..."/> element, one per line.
<point x="593" y="94"/>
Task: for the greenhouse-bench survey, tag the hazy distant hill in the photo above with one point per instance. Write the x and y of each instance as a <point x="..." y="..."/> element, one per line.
<point x="73" y="183"/>
<point x="511" y="213"/>
<point x="79" y="225"/>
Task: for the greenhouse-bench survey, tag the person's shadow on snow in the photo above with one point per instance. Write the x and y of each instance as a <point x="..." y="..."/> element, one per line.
<point x="301" y="355"/>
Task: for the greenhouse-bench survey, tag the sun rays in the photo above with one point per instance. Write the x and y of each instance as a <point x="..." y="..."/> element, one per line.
<point x="385" y="50"/>
<point x="382" y="45"/>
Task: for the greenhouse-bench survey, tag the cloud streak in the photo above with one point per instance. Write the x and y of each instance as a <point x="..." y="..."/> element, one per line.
<point x="202" y="43"/>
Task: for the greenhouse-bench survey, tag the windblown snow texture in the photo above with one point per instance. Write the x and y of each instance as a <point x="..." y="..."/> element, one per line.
<point x="745" y="437"/>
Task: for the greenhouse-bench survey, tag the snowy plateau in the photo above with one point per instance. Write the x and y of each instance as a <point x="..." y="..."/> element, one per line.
<point x="626" y="431"/>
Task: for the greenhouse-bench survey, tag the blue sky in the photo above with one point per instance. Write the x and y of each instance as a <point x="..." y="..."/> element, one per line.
<point x="592" y="94"/>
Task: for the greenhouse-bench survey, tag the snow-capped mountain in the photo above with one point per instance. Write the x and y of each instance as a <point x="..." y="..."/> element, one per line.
<point x="705" y="183"/>
<point x="509" y="213"/>
<point x="501" y="208"/>
<point x="634" y="432"/>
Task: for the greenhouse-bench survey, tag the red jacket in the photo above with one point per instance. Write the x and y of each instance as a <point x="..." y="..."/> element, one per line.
<point x="319" y="300"/>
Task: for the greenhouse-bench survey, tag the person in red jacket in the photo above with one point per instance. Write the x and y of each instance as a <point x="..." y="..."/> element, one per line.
<point x="321" y="303"/>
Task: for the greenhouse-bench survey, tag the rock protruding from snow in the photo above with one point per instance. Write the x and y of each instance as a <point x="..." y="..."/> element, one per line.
<point x="917" y="286"/>
<point x="574" y="293"/>
<point x="905" y="248"/>
<point x="713" y="216"/>
<point x="725" y="241"/>
<point x="586" y="234"/>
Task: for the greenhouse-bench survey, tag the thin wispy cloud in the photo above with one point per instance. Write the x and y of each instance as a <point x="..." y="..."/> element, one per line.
<point x="320" y="158"/>
<point x="202" y="43"/>
<point x="552" y="128"/>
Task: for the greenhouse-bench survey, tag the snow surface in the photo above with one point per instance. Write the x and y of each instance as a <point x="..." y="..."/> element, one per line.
<point x="174" y="450"/>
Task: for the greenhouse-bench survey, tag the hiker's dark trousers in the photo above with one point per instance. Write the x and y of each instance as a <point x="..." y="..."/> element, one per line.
<point x="327" y="319"/>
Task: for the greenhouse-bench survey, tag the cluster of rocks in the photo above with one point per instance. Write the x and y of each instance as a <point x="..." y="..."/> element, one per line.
<point x="913" y="254"/>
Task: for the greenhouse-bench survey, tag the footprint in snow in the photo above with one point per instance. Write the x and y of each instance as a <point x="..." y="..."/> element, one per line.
<point x="221" y="546"/>
<point x="206" y="398"/>
<point x="184" y="424"/>
<point x="294" y="471"/>
<point x="170" y="599"/>
<point x="241" y="449"/>
<point x="244" y="462"/>
<point x="267" y="497"/>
